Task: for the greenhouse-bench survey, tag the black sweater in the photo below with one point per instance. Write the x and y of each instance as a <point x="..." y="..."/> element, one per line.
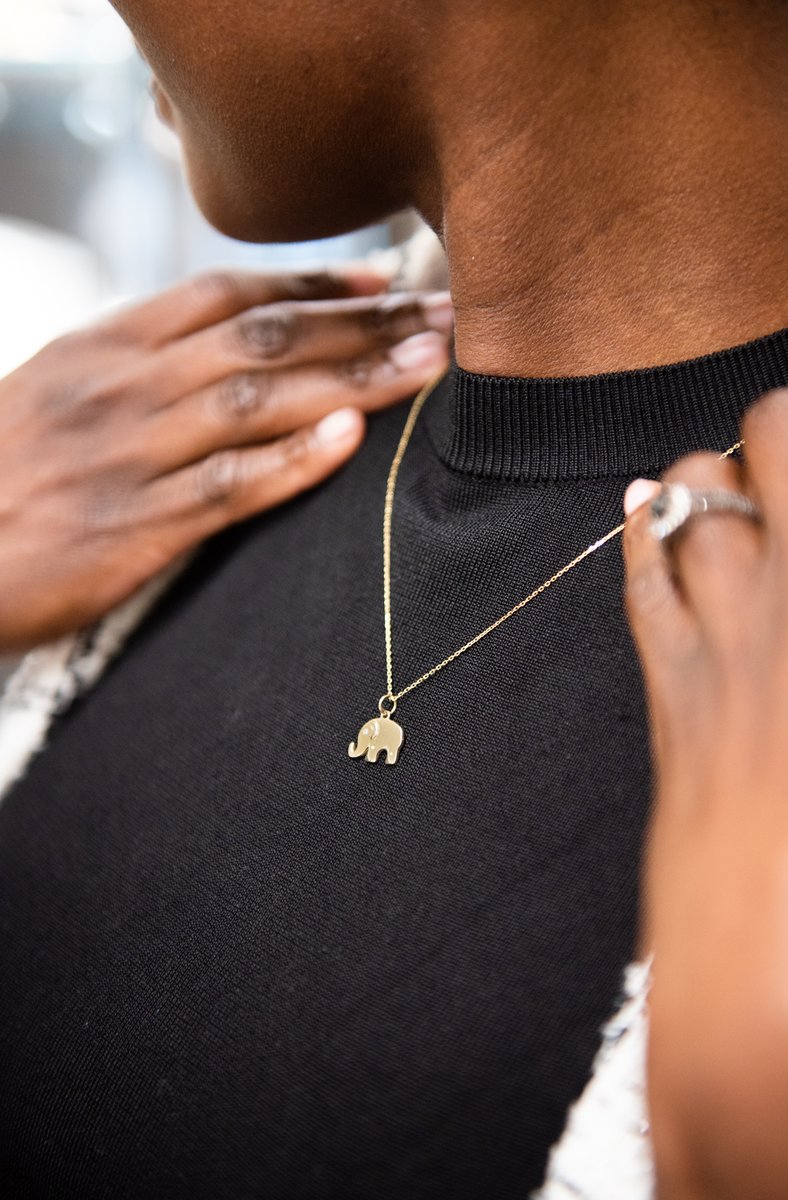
<point x="238" y="964"/>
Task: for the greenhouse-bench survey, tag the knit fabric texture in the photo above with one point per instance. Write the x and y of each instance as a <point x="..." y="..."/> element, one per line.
<point x="237" y="962"/>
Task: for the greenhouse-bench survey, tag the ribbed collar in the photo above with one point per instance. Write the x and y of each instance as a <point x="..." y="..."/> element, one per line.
<point x="625" y="423"/>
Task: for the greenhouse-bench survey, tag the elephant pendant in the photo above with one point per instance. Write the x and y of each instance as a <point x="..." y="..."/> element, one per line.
<point x="379" y="734"/>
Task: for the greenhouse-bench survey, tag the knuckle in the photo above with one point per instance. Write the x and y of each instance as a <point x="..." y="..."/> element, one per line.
<point x="360" y="373"/>
<point x="240" y="397"/>
<point x="105" y="404"/>
<point x="217" y="288"/>
<point x="288" y="453"/>
<point x="312" y="285"/>
<point x="80" y="380"/>
<point x="218" y="477"/>
<point x="75" y="404"/>
<point x="267" y="332"/>
<point x="392" y="318"/>
<point x="65" y="404"/>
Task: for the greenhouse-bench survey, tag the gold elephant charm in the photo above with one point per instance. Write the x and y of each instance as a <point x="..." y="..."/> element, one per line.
<point x="379" y="734"/>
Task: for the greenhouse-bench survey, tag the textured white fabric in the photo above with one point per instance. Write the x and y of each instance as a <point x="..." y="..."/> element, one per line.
<point x="605" y="1150"/>
<point x="50" y="678"/>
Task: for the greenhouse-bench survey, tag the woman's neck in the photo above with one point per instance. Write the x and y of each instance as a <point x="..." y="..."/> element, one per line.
<point x="622" y="203"/>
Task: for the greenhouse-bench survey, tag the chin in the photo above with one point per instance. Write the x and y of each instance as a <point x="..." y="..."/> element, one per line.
<point x="241" y="224"/>
<point x="244" y="212"/>
<point x="277" y="206"/>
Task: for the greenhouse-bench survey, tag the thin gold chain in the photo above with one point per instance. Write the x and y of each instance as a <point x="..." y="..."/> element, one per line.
<point x="388" y="510"/>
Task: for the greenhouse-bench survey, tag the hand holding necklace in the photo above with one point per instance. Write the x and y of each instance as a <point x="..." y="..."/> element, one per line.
<point x="709" y="611"/>
<point x="123" y="446"/>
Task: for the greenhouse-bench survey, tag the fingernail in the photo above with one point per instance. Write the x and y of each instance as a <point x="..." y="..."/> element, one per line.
<point x="416" y="353"/>
<point x="639" y="492"/>
<point x="337" y="426"/>
<point x="439" y="312"/>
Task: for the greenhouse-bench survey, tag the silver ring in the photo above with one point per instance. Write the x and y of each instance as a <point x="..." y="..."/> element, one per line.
<point x="673" y="506"/>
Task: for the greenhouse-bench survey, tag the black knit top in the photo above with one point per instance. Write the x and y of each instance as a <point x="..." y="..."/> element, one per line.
<point x="236" y="963"/>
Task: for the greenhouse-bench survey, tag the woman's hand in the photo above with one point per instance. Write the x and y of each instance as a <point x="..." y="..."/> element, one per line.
<point x="125" y="445"/>
<point x="710" y="614"/>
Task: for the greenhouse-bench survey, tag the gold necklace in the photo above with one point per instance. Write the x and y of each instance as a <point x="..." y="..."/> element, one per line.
<point x="382" y="734"/>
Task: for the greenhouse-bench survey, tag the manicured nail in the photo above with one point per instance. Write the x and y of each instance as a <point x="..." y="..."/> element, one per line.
<point x="439" y="312"/>
<point x="337" y="426"/>
<point x="639" y="492"/>
<point x="418" y="352"/>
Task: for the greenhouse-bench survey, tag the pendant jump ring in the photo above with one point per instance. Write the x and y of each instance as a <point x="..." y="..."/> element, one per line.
<point x="387" y="705"/>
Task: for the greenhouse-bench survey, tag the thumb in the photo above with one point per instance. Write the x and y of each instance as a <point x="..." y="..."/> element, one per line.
<point x="660" y="620"/>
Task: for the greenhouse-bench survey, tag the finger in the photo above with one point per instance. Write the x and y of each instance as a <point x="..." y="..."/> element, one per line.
<point x="218" y="296"/>
<point x="714" y="554"/>
<point x="294" y="334"/>
<point x="233" y="484"/>
<point x="639" y="492"/>
<point x="258" y="406"/>
<point x="765" y="434"/>
<point x="666" y="632"/>
<point x="663" y="627"/>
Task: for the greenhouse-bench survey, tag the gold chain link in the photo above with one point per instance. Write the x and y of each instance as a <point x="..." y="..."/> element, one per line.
<point x="388" y="510"/>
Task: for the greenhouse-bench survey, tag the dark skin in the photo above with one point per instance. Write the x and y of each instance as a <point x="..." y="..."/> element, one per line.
<point x="708" y="614"/>
<point x="604" y="155"/>
<point x="124" y="445"/>
<point x="609" y="181"/>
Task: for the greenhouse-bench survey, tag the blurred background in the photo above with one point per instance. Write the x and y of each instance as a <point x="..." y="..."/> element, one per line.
<point x="93" y="205"/>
